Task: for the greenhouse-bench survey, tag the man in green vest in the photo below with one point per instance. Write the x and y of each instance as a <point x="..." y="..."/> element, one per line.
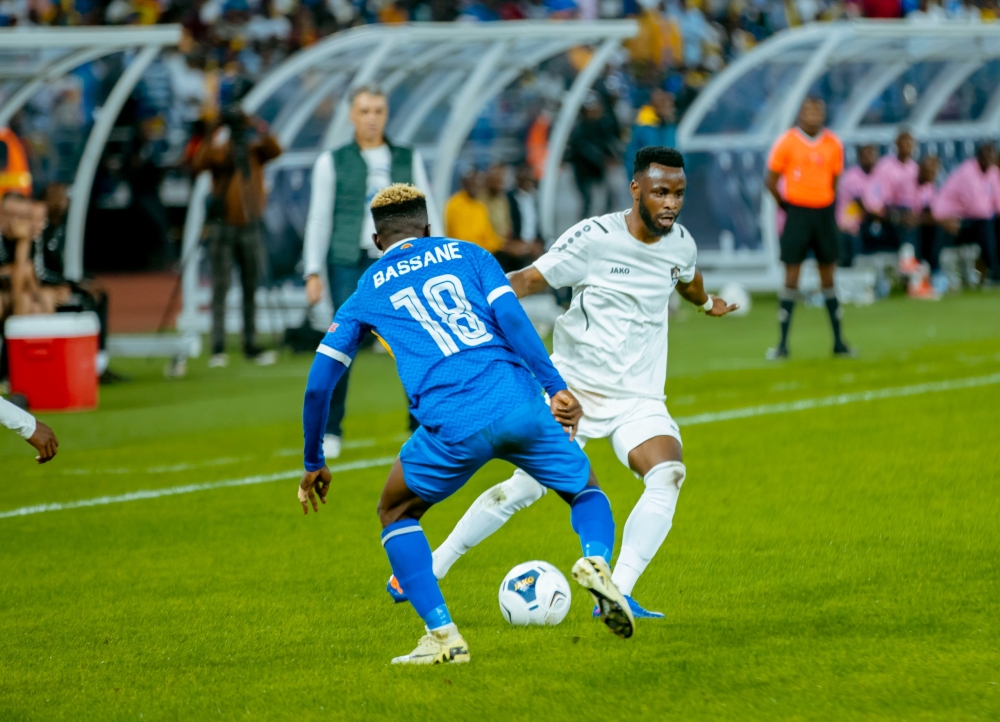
<point x="339" y="227"/>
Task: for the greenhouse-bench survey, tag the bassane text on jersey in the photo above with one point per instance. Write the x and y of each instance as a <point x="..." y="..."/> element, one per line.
<point x="440" y="254"/>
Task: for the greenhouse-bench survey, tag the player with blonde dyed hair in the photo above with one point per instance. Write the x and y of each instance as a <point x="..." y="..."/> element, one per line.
<point x="397" y="194"/>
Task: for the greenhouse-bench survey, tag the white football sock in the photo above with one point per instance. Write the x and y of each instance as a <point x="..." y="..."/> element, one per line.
<point x="446" y="631"/>
<point x="489" y="512"/>
<point x="648" y="524"/>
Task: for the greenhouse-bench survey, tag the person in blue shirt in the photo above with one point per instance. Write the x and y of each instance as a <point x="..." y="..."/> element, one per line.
<point x="474" y="370"/>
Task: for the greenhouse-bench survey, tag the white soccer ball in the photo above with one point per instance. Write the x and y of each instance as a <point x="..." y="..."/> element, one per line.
<point x="534" y="593"/>
<point x="735" y="293"/>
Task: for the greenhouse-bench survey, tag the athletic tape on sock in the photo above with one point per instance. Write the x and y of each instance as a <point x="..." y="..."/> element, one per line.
<point x="677" y="472"/>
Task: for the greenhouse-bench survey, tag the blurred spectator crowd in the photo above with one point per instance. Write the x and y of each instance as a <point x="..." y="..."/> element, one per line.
<point x="229" y="44"/>
<point x="681" y="43"/>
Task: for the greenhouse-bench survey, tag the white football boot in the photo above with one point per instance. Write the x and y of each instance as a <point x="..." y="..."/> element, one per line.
<point x="594" y="575"/>
<point x="439" y="646"/>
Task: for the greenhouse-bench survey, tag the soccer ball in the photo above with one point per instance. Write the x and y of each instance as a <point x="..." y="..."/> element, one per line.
<point x="534" y="593"/>
<point x="735" y="293"/>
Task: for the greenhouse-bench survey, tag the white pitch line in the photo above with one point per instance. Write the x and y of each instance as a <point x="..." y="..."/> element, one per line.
<point x="764" y="410"/>
<point x="841" y="399"/>
<point x="189" y="489"/>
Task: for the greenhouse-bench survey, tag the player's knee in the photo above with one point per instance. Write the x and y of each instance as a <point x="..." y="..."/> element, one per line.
<point x="665" y="475"/>
<point x="518" y="492"/>
<point x="390" y="514"/>
<point x="384" y="515"/>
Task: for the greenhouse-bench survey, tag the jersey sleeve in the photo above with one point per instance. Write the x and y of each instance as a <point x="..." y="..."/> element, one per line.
<point x="345" y="334"/>
<point x="18" y="421"/>
<point x="688" y="269"/>
<point x="333" y="356"/>
<point x="568" y="261"/>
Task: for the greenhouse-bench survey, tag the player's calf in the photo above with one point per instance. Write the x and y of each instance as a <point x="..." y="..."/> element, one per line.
<point x="649" y="523"/>
<point x="410" y="557"/>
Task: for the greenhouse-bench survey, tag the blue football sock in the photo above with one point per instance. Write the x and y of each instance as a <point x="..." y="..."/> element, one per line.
<point x="412" y="563"/>
<point x="590" y="514"/>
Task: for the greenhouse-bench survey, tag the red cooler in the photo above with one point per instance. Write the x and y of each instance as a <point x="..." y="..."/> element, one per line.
<point x="53" y="360"/>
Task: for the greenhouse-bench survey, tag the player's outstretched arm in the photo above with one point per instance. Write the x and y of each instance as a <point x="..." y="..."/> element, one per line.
<point x="323" y="377"/>
<point x="45" y="442"/>
<point x="695" y="293"/>
<point x="527" y="281"/>
<point x="30" y="429"/>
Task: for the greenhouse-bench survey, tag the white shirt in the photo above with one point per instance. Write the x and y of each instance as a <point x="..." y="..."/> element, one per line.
<point x="319" y="220"/>
<point x="613" y="339"/>
<point x="379" y="162"/>
<point x="529" y="216"/>
<point x="17" y="420"/>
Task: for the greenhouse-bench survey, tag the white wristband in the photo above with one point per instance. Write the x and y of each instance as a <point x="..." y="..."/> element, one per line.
<point x="707" y="306"/>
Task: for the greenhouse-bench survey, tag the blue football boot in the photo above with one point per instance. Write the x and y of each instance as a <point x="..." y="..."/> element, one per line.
<point x="637" y="611"/>
<point x="396" y="591"/>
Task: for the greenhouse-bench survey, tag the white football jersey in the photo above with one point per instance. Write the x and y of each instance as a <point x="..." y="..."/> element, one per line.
<point x="613" y="339"/>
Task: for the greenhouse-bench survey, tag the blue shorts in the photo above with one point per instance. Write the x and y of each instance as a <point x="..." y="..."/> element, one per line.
<point x="527" y="437"/>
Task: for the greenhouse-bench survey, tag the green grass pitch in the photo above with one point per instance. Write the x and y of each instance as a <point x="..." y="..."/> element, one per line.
<point x="838" y="562"/>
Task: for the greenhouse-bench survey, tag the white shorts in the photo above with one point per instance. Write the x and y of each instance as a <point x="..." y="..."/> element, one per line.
<point x="626" y="422"/>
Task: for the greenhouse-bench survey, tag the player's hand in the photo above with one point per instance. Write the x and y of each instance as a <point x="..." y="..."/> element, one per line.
<point x="314" y="290"/>
<point x="952" y="225"/>
<point x="720" y="307"/>
<point x="566" y="410"/>
<point x="45" y="441"/>
<point x="313" y="483"/>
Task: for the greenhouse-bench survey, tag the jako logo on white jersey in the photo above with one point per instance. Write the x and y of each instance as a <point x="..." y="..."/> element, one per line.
<point x="619" y="271"/>
<point x="444" y="252"/>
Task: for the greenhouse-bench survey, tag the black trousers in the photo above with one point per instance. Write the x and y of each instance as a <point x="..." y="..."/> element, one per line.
<point x="243" y="245"/>
<point x="973" y="232"/>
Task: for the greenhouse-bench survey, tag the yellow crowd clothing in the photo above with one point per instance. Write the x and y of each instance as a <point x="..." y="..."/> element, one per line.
<point x="467" y="219"/>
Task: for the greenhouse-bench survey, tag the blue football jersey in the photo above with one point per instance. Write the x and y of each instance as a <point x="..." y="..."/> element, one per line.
<point x="429" y="300"/>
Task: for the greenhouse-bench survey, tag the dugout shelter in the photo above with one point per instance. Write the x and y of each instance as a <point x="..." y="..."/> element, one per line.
<point x="32" y="59"/>
<point x="440" y="79"/>
<point x="941" y="80"/>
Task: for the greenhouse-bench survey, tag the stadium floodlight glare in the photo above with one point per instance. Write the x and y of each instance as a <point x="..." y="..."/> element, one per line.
<point x="858" y="67"/>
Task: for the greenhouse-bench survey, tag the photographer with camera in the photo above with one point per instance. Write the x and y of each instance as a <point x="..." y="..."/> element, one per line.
<point x="235" y="151"/>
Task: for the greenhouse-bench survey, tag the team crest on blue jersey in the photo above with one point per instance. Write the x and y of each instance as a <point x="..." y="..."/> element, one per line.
<point x="333" y="327"/>
<point x="524" y="585"/>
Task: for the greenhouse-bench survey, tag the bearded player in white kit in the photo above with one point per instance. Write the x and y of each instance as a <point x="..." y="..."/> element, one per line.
<point x="611" y="348"/>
